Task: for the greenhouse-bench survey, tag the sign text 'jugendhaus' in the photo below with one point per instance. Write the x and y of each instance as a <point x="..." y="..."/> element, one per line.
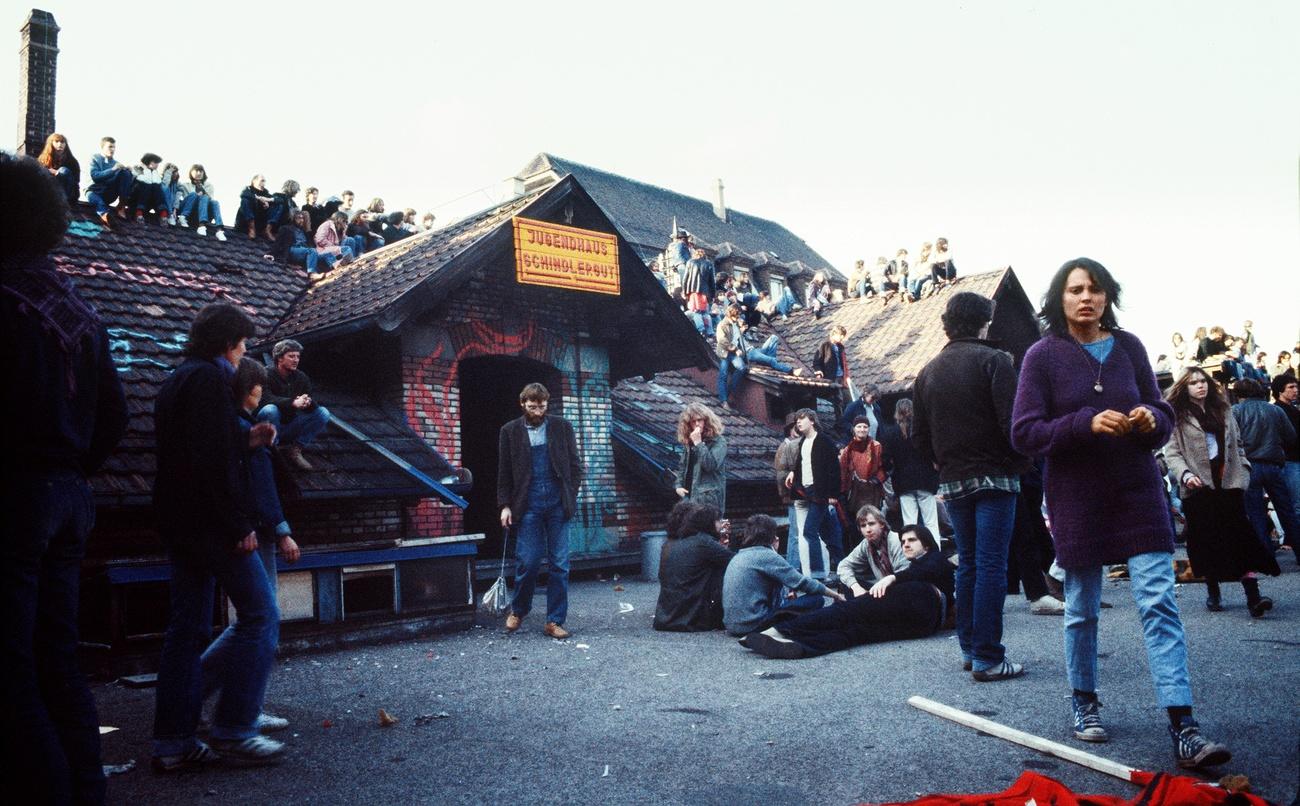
<point x="565" y="257"/>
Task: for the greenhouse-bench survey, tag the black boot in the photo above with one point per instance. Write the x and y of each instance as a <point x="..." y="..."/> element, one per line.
<point x="1212" y="597"/>
<point x="1259" y="605"/>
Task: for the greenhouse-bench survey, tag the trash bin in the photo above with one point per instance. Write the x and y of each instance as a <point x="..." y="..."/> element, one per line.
<point x="652" y="545"/>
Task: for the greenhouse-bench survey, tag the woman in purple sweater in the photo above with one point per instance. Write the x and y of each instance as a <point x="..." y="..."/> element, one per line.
<point x="1087" y="402"/>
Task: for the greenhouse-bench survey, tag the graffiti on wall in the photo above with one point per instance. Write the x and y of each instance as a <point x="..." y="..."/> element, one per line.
<point x="120" y="344"/>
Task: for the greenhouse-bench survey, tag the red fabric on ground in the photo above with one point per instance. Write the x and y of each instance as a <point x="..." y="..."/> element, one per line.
<point x="1159" y="790"/>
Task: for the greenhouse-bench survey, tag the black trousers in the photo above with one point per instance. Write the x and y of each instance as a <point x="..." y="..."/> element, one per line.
<point x="907" y="610"/>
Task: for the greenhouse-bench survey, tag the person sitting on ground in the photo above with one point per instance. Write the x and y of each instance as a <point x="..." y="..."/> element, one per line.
<point x="691" y="568"/>
<point x="394" y="228"/>
<point x="817" y="295"/>
<point x="754" y="584"/>
<point x="907" y="604"/>
<point x="200" y="203"/>
<point x="110" y="181"/>
<point x="878" y="555"/>
<point x="331" y="240"/>
<point x="254" y="202"/>
<point x="289" y="405"/>
<point x="56" y="157"/>
<point x="146" y="193"/>
<point x="293" y="245"/>
<point x="283" y="205"/>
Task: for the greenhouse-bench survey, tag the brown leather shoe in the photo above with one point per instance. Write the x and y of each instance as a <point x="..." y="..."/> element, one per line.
<point x="294" y="454"/>
<point x="512" y="622"/>
<point x="556" y="631"/>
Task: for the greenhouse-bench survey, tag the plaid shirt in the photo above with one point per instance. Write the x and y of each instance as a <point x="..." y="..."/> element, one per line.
<point x="957" y="489"/>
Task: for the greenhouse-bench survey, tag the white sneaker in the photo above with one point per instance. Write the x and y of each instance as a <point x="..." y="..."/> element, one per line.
<point x="1047" y="606"/>
<point x="268" y="723"/>
<point x="221" y="235"/>
<point x="253" y="750"/>
<point x="171" y="220"/>
<point x="183" y="221"/>
<point x="202" y="230"/>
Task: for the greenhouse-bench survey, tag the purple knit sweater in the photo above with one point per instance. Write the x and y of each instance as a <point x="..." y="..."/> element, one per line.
<point x="1104" y="494"/>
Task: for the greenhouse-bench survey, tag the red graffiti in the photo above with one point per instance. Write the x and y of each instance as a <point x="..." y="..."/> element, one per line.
<point x="150" y="275"/>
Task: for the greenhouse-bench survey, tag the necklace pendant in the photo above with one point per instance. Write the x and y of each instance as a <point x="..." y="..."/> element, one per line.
<point x="1097" y="387"/>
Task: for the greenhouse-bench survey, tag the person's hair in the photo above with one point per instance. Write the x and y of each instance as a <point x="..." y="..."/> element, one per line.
<point x="290" y="188"/>
<point x="315" y="190"/>
<point x="901" y="252"/>
<point x="48" y="154"/>
<point x="103" y="140"/>
<point x="702" y="520"/>
<point x="1217" y="332"/>
<point x="1216" y="405"/>
<point x="903" y="411"/>
<point x="923" y="534"/>
<point x="1279" y="383"/>
<point x="733" y="309"/>
<point x="149" y="157"/>
<point x="396" y="217"/>
<point x="840" y="329"/>
<point x="429" y="216"/>
<point x="869" y="511"/>
<point x="1250" y="388"/>
<point x="34" y="210"/>
<point x="677" y="517"/>
<point x="254" y="179"/>
<point x="376" y="205"/>
<point x="760" y="530"/>
<point x="1052" y="313"/>
<point x="810" y="414"/>
<point x="340" y="216"/>
<point x="966" y="315"/>
<point x="535" y="392"/>
<point x="347" y="193"/>
<point x="697" y="411"/>
<point x="216" y="327"/>
<point x="248" y="374"/>
<point x="285" y="346"/>
<point x="1283" y="354"/>
<point x="301" y="219"/>
<point x="940" y="241"/>
<point x="1177" y="338"/>
<point x="197" y="167"/>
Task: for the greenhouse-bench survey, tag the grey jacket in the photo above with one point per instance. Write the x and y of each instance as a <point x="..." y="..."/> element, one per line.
<point x="751" y="588"/>
<point x="1266" y="432"/>
<point x="1186" y="451"/>
<point x="708" y="481"/>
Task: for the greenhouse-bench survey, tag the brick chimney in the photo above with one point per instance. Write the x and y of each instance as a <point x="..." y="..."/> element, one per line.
<point x="36" y="66"/>
<point x="719" y="206"/>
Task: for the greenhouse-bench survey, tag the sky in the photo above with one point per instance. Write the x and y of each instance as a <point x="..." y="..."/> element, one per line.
<point x="1159" y="138"/>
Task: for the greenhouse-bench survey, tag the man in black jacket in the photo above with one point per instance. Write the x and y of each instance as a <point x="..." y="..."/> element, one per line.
<point x="65" y="412"/>
<point x="289" y="405"/>
<point x="962" y="402"/>
<point x="538" y="473"/>
<point x="203" y="502"/>
<point x="815" y="484"/>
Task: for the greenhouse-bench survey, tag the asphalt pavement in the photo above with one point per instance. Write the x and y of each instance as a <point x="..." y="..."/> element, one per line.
<point x="620" y="714"/>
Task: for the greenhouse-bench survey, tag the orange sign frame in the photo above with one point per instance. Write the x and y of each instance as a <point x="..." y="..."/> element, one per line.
<point x="566" y="257"/>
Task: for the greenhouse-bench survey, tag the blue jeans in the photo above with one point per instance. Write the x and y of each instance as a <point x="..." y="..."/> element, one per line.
<point x="51" y="728"/>
<point x="730" y="370"/>
<point x="862" y="288"/>
<point x="766" y="356"/>
<point x="354" y="245"/>
<point x="1271" y="478"/>
<point x="215" y="658"/>
<point x="208" y="208"/>
<point x="542" y="533"/>
<point x="1151" y="576"/>
<point x="821" y="524"/>
<point x="304" y="256"/>
<point x="240" y="658"/>
<point x="169" y="198"/>
<point x="301" y="430"/>
<point x="914" y="286"/>
<point x="1292" y="476"/>
<point x="786" y="303"/>
<point x="703" y="322"/>
<point x="792" y="539"/>
<point x="117" y="188"/>
<point x="982" y="525"/>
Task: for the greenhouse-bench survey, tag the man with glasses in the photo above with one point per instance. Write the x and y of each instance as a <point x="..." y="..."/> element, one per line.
<point x="538" y="472"/>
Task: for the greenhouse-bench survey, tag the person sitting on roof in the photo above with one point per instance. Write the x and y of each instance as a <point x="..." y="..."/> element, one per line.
<point x="293" y="245"/>
<point x="146" y="193"/>
<point x="394" y="228"/>
<point x="197" y="199"/>
<point x="290" y="407"/>
<point x="765" y="355"/>
<point x="336" y="204"/>
<point x="818" y="294"/>
<point x="367" y="226"/>
<point x="110" y="181"/>
<point x="786" y="302"/>
<point x="316" y="214"/>
<point x="942" y="269"/>
<point x="254" y="202"/>
<point x="860" y="281"/>
<point x="408" y="221"/>
<point x="699" y="290"/>
<point x="56" y="157"/>
<point x="283" y="205"/>
<point x="896" y="273"/>
<point x="330" y="239"/>
<point x="426" y="222"/>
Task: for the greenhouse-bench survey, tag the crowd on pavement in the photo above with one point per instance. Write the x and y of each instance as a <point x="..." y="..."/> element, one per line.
<point x="895" y="530"/>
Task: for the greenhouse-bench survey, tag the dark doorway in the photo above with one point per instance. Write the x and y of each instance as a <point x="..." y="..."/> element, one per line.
<point x="489" y="398"/>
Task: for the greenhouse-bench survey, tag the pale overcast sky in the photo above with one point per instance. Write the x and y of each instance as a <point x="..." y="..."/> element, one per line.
<point x="1161" y="138"/>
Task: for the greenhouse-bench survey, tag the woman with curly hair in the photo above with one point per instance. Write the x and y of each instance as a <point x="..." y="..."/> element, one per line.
<point x="702" y="473"/>
<point x="1206" y="456"/>
<point x="56" y="157"/>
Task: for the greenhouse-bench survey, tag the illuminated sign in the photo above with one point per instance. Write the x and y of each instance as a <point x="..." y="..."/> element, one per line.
<point x="565" y="257"/>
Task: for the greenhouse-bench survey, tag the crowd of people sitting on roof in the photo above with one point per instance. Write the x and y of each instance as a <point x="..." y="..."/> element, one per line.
<point x="154" y="190"/>
<point x="934" y="268"/>
<point x="1230" y="358"/>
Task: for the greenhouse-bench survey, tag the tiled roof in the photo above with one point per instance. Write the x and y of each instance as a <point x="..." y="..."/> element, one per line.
<point x="889" y="340"/>
<point x="645" y="429"/>
<point x="644" y="213"/>
<point x="376" y="280"/>
<point x="147" y="283"/>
